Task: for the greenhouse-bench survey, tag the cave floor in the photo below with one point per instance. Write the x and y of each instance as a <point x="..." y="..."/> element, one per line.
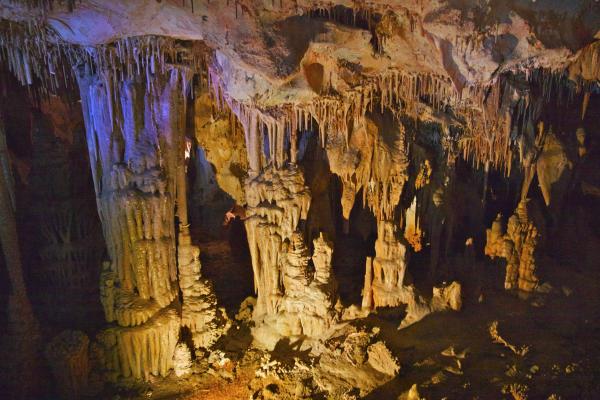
<point x="559" y="332"/>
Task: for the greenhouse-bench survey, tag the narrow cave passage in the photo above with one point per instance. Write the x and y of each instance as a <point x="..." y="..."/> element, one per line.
<point x="218" y="230"/>
<point x="351" y="251"/>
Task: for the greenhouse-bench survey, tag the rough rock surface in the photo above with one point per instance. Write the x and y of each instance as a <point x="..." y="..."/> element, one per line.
<point x="358" y="363"/>
<point x="518" y="245"/>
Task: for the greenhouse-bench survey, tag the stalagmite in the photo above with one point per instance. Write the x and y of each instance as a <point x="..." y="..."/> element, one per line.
<point x="518" y="246"/>
<point x="182" y="360"/>
<point x="199" y="311"/>
<point x="367" y="292"/>
<point x="389" y="267"/>
<point x="387" y="285"/>
<point x="412" y="231"/>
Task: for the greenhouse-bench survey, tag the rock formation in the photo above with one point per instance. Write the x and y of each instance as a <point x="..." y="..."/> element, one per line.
<point x="199" y="310"/>
<point x="61" y="203"/>
<point x="305" y="310"/>
<point x="385" y="286"/>
<point x="398" y="126"/>
<point x="276" y="202"/>
<point x="135" y="131"/>
<point x="359" y="362"/>
<point x="518" y="246"/>
<point x="182" y="360"/>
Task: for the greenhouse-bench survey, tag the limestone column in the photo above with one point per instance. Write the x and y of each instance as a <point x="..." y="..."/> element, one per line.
<point x="134" y="130"/>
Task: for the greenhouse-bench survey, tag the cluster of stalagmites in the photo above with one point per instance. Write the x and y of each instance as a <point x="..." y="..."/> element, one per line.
<point x="291" y="301"/>
<point x="517" y="244"/>
<point x="385" y="286"/>
<point x="277" y="200"/>
<point x="305" y="308"/>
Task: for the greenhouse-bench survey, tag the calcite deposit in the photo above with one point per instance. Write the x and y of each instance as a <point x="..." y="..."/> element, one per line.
<point x="518" y="246"/>
<point x="306" y="308"/>
<point x="335" y="164"/>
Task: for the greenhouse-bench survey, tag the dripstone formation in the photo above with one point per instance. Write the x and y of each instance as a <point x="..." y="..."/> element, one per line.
<point x="337" y="162"/>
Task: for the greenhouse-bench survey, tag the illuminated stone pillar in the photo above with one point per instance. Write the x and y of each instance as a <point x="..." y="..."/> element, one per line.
<point x="135" y="129"/>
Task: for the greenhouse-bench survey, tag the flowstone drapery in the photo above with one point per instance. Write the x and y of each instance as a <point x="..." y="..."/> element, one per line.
<point x="62" y="205"/>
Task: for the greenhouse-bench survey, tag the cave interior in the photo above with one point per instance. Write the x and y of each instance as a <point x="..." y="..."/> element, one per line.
<point x="300" y="199"/>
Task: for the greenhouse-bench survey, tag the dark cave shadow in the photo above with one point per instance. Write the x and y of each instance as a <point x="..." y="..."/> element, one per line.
<point x="236" y="341"/>
<point x="286" y="352"/>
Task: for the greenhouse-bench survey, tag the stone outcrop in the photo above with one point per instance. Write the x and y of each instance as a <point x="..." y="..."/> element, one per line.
<point x="359" y="362"/>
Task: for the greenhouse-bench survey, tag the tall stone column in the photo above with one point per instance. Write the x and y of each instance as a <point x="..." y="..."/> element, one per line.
<point x="134" y="130"/>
